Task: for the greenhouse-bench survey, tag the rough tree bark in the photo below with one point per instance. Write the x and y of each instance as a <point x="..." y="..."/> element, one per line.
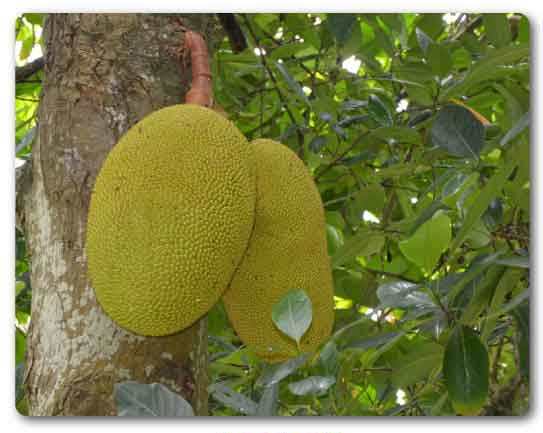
<point x="103" y="72"/>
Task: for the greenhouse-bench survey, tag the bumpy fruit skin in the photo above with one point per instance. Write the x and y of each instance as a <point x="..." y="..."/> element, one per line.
<point x="287" y="250"/>
<point x="169" y="219"/>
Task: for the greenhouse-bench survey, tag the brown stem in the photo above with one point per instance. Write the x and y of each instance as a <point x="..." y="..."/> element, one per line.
<point x="201" y="90"/>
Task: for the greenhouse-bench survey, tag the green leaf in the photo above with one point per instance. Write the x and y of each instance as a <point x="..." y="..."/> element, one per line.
<point x="507" y="283"/>
<point x="512" y="304"/>
<point x="376" y="341"/>
<point x="364" y="243"/>
<point x="497" y="29"/>
<point x="370" y="198"/>
<point x="292" y="314"/>
<point x="515" y="261"/>
<point x="292" y="83"/>
<point x="517" y="128"/>
<point x="341" y="26"/>
<point x="19" y="381"/>
<point x="427" y="244"/>
<point x="423" y="39"/>
<point x="440" y="60"/>
<point x="275" y="373"/>
<point x="427" y="213"/>
<point x="465" y="368"/>
<point x="481" y="296"/>
<point x="402" y="294"/>
<point x="269" y="401"/>
<point x="20" y="346"/>
<point x="490" y="191"/>
<point x="36" y="19"/>
<point x="312" y="385"/>
<point x="485" y="68"/>
<point x="317" y="144"/>
<point x="233" y="399"/>
<point x="287" y="50"/>
<point x="397" y="134"/>
<point x="141" y="399"/>
<point x="458" y="131"/>
<point x="415" y="366"/>
<point x="379" y="111"/>
<point x="522" y="317"/>
<point x="334" y="238"/>
<point x="26" y="48"/>
<point x="328" y="357"/>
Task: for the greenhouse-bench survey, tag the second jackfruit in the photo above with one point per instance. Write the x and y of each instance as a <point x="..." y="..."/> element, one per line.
<point x="287" y="250"/>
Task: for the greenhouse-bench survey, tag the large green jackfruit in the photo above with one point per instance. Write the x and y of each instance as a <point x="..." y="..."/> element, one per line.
<point x="169" y="219"/>
<point x="287" y="250"/>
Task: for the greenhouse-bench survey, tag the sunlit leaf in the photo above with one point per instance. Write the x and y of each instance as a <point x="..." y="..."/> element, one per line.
<point x="430" y="240"/>
<point x="313" y="385"/>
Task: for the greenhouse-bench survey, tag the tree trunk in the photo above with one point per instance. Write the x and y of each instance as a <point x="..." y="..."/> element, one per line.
<point x="103" y="72"/>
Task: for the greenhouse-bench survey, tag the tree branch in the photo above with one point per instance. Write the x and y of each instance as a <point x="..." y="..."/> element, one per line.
<point x="233" y="31"/>
<point x="26" y="71"/>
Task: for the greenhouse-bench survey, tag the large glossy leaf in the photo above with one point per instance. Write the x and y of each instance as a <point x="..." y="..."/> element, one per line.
<point x="233" y="399"/>
<point x="402" y="294"/>
<point x="141" y="399"/>
<point x="465" y="367"/>
<point x="430" y="240"/>
<point x="457" y="130"/>
<point x="275" y="373"/>
<point x="364" y="243"/>
<point x="313" y="385"/>
<point x="293" y="314"/>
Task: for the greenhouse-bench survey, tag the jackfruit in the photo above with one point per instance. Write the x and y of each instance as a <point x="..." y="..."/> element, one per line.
<point x="169" y="219"/>
<point x="287" y="250"/>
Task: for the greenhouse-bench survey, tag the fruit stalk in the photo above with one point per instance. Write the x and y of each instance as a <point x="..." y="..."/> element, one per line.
<point x="201" y="91"/>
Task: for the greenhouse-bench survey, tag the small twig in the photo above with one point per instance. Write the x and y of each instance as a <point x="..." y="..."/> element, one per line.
<point x="233" y="31"/>
<point x="26" y="71"/>
<point x="274" y="80"/>
<point x="340" y="156"/>
<point x="391" y="274"/>
<point x="26" y="99"/>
